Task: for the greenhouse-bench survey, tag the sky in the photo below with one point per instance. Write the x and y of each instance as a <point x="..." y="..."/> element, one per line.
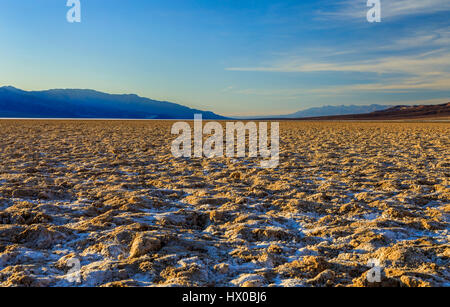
<point x="233" y="57"/>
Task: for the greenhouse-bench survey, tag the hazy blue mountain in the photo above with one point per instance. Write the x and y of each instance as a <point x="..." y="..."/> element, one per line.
<point x="77" y="103"/>
<point x="337" y="110"/>
<point x="328" y="111"/>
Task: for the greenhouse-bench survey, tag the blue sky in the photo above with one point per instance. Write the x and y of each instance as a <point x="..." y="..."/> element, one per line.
<point x="234" y="57"/>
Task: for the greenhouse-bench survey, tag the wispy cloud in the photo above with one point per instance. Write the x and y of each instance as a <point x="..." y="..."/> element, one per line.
<point x="227" y="89"/>
<point x="419" y="64"/>
<point x="430" y="38"/>
<point x="421" y="73"/>
<point x="390" y="9"/>
<point x="428" y="70"/>
<point x="420" y="60"/>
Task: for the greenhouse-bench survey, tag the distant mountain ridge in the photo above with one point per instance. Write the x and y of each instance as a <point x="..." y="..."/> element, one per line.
<point x="327" y="111"/>
<point x="400" y="112"/>
<point x="80" y="103"/>
<point x="338" y="110"/>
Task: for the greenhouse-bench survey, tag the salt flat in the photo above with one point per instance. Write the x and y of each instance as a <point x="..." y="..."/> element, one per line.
<point x="110" y="194"/>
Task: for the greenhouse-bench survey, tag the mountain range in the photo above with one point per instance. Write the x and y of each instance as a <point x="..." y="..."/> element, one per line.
<point x="78" y="103"/>
<point x="337" y="110"/>
<point x="401" y="112"/>
<point x="327" y="111"/>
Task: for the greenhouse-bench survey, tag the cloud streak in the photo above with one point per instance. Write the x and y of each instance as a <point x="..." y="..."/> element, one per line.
<point x="428" y="70"/>
<point x="419" y="61"/>
<point x="390" y="9"/>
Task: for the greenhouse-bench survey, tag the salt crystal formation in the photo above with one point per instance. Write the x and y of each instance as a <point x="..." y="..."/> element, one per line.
<point x="110" y="194"/>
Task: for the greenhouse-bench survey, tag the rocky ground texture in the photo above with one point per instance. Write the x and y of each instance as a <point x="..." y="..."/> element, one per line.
<point x="110" y="195"/>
